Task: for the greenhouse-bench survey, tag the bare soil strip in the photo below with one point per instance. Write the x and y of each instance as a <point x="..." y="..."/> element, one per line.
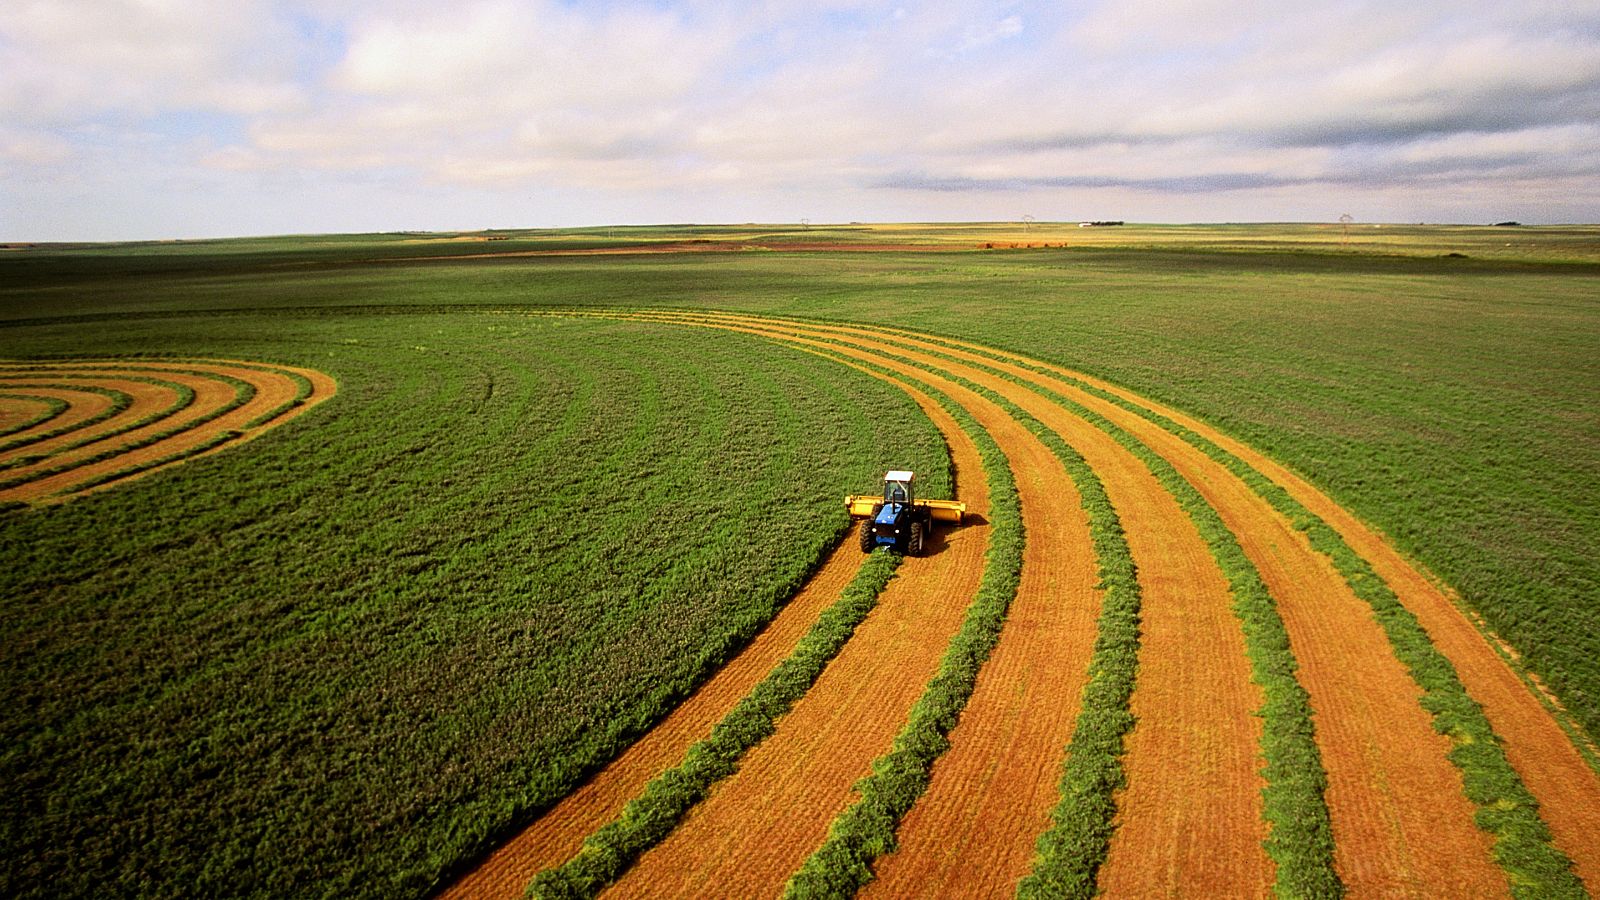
<point x="757" y="826"/>
<point x="557" y="834"/>
<point x="17" y="410"/>
<point x="1567" y="788"/>
<point x="275" y="391"/>
<point x="1194" y="788"/>
<point x="81" y="406"/>
<point x="159" y="402"/>
<point x="1401" y="821"/>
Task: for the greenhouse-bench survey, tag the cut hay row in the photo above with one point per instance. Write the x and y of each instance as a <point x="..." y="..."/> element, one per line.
<point x="801" y="777"/>
<point x="129" y="418"/>
<point x="1375" y="798"/>
<point x="1548" y="784"/>
<point x="1220" y="804"/>
<point x="557" y="835"/>
<point x="150" y="400"/>
<point x="1536" y="864"/>
<point x="86" y="406"/>
<point x="25" y="412"/>
<point x="1188" y="671"/>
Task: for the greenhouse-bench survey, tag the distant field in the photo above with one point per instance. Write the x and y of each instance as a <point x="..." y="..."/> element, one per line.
<point x="228" y="674"/>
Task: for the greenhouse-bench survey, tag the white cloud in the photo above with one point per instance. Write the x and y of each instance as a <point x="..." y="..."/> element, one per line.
<point x="699" y="103"/>
<point x="519" y="54"/>
<point x="32" y="148"/>
<point x="64" y="60"/>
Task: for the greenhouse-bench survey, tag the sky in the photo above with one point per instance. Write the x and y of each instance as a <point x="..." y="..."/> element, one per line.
<point x="140" y="119"/>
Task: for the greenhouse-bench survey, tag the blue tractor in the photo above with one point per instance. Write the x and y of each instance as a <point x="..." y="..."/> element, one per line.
<point x="899" y="520"/>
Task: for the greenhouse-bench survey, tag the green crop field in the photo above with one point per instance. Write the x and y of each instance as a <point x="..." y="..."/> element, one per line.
<point x="348" y="657"/>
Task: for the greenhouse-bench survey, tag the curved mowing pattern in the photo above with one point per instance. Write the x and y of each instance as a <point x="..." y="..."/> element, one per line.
<point x="24" y="412"/>
<point x="1363" y="728"/>
<point x="98" y="422"/>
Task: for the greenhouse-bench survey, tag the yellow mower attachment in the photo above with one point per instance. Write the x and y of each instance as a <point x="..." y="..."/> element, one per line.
<point x="860" y="506"/>
<point x="900" y="519"/>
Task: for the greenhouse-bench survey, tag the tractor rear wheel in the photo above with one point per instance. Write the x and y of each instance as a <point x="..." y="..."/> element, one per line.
<point x="866" y="536"/>
<point x="914" y="542"/>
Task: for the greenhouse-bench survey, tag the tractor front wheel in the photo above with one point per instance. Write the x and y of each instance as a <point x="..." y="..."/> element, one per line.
<point x="866" y="536"/>
<point x="914" y="542"/>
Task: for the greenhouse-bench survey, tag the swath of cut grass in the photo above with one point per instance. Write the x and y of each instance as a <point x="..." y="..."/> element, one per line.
<point x="120" y="402"/>
<point x="865" y="830"/>
<point x="369" y="592"/>
<point x="1071" y="852"/>
<point x="1523" y="845"/>
<point x="669" y="796"/>
<point x="53" y="407"/>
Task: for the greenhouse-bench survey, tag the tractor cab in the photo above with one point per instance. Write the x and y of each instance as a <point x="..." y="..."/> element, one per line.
<point x="897" y="490"/>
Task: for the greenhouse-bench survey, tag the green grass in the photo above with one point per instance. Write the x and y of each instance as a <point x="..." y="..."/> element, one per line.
<point x="649" y="818"/>
<point x="1072" y="850"/>
<point x="349" y="657"/>
<point x="327" y="578"/>
<point x="53" y="408"/>
<point x="120" y="401"/>
<point x="865" y="830"/>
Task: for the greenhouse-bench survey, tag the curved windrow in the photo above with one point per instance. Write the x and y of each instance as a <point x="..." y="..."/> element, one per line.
<point x="1376" y="769"/>
<point x="71" y="426"/>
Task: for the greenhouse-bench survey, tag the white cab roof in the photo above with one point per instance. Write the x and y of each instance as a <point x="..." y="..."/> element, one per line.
<point x="898" y="476"/>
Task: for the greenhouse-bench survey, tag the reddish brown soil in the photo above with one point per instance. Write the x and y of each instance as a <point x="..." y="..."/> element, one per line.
<point x="81" y="406"/>
<point x="1567" y="789"/>
<point x="557" y="834"/>
<point x="758" y="825"/>
<point x="1189" y="821"/>
<point x="1401" y="821"/>
<point x="695" y="247"/>
<point x="273" y="388"/>
<point x="1192" y="764"/>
